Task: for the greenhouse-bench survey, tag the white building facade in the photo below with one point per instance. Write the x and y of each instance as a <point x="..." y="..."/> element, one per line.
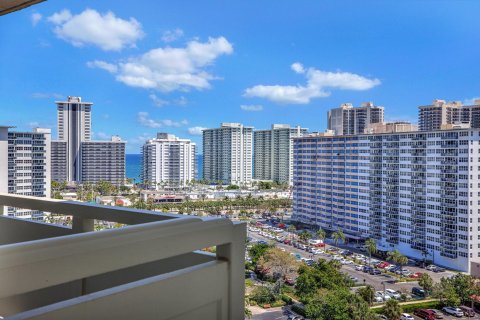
<point x="228" y="154"/>
<point x="273" y="153"/>
<point x="168" y="161"/>
<point x="418" y="192"/>
<point x="25" y="167"/>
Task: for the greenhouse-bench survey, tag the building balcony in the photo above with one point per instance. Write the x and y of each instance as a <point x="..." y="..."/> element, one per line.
<point x="150" y="269"/>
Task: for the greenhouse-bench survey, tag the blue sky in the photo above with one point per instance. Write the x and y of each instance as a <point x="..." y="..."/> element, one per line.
<point x="180" y="66"/>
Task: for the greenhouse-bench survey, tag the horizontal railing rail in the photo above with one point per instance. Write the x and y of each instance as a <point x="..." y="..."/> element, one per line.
<point x="45" y="262"/>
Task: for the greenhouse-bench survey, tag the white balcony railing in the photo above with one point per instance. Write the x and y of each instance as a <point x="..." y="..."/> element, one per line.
<point x="151" y="269"/>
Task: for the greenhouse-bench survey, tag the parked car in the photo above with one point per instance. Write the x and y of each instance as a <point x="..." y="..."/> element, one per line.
<point x="439" y="269"/>
<point x="394" y="294"/>
<point x="406" y="316"/>
<point x="384" y="296"/>
<point x="359" y="267"/>
<point x="437" y="313"/>
<point x="424" y="314"/>
<point x="367" y="269"/>
<point x="418" y="292"/>
<point x="467" y="311"/>
<point x="453" y="311"/>
<point x="374" y="272"/>
<point x="382" y="317"/>
<point x="416" y="275"/>
<point x="431" y="267"/>
<point x="378" y="297"/>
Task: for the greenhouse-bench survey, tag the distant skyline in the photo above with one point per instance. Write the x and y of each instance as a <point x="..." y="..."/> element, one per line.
<point x="182" y="66"/>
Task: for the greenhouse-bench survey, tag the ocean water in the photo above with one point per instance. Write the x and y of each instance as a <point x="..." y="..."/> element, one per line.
<point x="134" y="166"/>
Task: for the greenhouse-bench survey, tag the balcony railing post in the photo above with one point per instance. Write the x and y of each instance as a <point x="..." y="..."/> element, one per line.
<point x="234" y="253"/>
<point x="80" y="225"/>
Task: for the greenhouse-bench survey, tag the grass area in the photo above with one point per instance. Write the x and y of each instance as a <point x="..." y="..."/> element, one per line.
<point x="412" y="306"/>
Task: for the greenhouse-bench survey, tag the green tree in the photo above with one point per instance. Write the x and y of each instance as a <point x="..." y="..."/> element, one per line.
<point x="278" y="262"/>
<point x="338" y="236"/>
<point x="392" y="310"/>
<point x="446" y="293"/>
<point x="426" y="283"/>
<point x="371" y="246"/>
<point x="367" y="293"/>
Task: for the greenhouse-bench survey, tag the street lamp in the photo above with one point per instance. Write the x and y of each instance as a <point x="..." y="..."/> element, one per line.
<point x="383" y="283"/>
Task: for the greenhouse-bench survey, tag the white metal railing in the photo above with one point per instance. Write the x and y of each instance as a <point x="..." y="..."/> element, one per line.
<point x="151" y="269"/>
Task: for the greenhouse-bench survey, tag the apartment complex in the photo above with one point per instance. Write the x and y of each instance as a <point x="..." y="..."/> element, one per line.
<point x="418" y="192"/>
<point x="25" y="167"/>
<point x="273" y="152"/>
<point x="103" y="161"/>
<point x="444" y="115"/>
<point x="78" y="159"/>
<point x="168" y="161"/>
<point x="228" y="153"/>
<point x="347" y="120"/>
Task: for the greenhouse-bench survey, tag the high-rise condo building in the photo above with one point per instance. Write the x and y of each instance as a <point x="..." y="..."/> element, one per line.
<point x="347" y="120"/>
<point x="418" y="192"/>
<point x="74" y="127"/>
<point x="103" y="161"/>
<point x="446" y="115"/>
<point x="227" y="153"/>
<point x="25" y="166"/>
<point x="168" y="161"/>
<point x="78" y="159"/>
<point x="273" y="152"/>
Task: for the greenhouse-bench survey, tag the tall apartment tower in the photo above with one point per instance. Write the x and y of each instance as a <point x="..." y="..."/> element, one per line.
<point x="74" y="127"/>
<point x="25" y="166"/>
<point x="447" y="115"/>
<point x="412" y="191"/>
<point x="168" y="161"/>
<point x="273" y="152"/>
<point x="78" y="159"/>
<point x="347" y="120"/>
<point x="228" y="153"/>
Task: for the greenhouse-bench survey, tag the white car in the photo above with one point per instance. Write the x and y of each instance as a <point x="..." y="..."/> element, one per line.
<point x="393" y="294"/>
<point x="359" y="267"/>
<point x="453" y="311"/>
<point x="406" y="316"/>
<point x="378" y="298"/>
<point x="384" y="296"/>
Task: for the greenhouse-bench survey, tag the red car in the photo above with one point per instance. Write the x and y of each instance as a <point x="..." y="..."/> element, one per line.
<point x="383" y="265"/>
<point x="416" y="275"/>
<point x="287" y="241"/>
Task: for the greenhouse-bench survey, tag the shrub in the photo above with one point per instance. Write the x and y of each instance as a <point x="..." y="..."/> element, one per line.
<point x="422" y="305"/>
<point x="298" y="309"/>
<point x="262" y="295"/>
<point x="286" y="299"/>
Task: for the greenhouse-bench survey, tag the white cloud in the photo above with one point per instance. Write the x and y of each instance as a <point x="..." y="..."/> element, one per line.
<point x="196" y="131"/>
<point x="144" y="119"/>
<point x="252" y="107"/>
<point x="470" y="102"/>
<point x="170" y="69"/>
<point x="46" y="95"/>
<point x="35" y="18"/>
<point x="93" y="28"/>
<point x="298" y="67"/>
<point x="102" y="65"/>
<point x="172" y="35"/>
<point x="317" y="82"/>
<point x="158" y="102"/>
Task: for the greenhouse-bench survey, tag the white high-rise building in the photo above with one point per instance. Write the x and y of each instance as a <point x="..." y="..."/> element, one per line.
<point x="25" y="166"/>
<point x="347" y="120"/>
<point x="168" y="161"/>
<point x="273" y="152"/>
<point x="228" y="153"/>
<point x="74" y="127"/>
<point x="418" y="192"/>
<point x="75" y="158"/>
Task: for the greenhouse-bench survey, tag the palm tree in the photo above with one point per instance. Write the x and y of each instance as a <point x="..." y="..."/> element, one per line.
<point x="304" y="236"/>
<point x="321" y="234"/>
<point x="338" y="235"/>
<point x="371" y="245"/>
<point x="402" y="260"/>
<point x="394" y="255"/>
<point x="392" y="310"/>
